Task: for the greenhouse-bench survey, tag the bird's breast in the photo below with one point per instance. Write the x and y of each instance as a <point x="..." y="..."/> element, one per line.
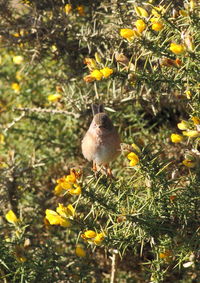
<point x="107" y="147"/>
<point x="101" y="146"/>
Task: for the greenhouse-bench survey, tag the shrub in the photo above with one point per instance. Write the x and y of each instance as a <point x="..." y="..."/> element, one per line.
<point x="59" y="221"/>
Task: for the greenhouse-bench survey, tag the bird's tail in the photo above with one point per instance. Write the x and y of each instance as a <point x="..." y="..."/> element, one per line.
<point x="97" y="108"/>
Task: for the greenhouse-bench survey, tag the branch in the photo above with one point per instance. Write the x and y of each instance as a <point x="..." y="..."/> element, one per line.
<point x="17" y="119"/>
<point x="113" y="266"/>
<point x="45" y="110"/>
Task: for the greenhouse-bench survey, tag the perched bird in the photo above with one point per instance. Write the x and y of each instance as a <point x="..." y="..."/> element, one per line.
<point x="101" y="143"/>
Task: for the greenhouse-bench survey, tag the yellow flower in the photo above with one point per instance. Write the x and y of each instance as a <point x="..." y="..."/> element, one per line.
<point x="61" y="187"/>
<point x="15" y="87"/>
<point x="18" y="60"/>
<point x="64" y="184"/>
<point x="75" y="190"/>
<point x="134" y="159"/>
<point x="176" y="138"/>
<point x="196" y="120"/>
<point x="69" y="184"/>
<point x="183" y="125"/>
<point x="189" y="163"/>
<point x="54" y="97"/>
<point x="191" y="134"/>
<point x="16" y="34"/>
<point x="75" y="173"/>
<point x="89" y="79"/>
<point x="183" y="13"/>
<point x="166" y="255"/>
<point x="80" y="251"/>
<point x="11" y="217"/>
<point x="91" y="63"/>
<point x="99" y="238"/>
<point x="62" y="210"/>
<point x="68" y="9"/>
<point x="2" y="139"/>
<point x="71" y="179"/>
<point x="22" y="32"/>
<point x="54" y="48"/>
<point x="177" y="49"/>
<point x="93" y="237"/>
<point x="96" y="74"/>
<point x="154" y="20"/>
<point x="58" y="190"/>
<point x="157" y="26"/>
<point x="140" y="25"/>
<point x="141" y="12"/>
<point x="89" y="234"/>
<point x="65" y="211"/>
<point x="188" y="94"/>
<point x="106" y="72"/>
<point x="70" y="210"/>
<point x="128" y="33"/>
<point x="55" y="219"/>
<point x="81" y="10"/>
<point x="65" y="222"/>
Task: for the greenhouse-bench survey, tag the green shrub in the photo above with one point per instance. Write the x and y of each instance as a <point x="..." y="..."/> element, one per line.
<point x="57" y="58"/>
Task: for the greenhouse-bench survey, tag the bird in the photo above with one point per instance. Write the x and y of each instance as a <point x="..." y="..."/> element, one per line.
<point x="101" y="143"/>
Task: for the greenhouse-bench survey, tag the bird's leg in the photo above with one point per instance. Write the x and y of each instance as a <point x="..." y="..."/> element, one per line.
<point x="94" y="168"/>
<point x="108" y="171"/>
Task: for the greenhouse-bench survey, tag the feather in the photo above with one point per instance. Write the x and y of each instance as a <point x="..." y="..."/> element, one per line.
<point x="97" y="108"/>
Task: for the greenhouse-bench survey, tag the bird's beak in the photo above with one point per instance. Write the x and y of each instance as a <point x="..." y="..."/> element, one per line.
<point x="101" y="126"/>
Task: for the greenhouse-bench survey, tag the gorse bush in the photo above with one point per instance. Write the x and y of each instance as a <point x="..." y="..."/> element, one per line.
<point x="60" y="222"/>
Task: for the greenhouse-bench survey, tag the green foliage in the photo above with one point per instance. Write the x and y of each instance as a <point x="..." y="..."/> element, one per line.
<point x="149" y="214"/>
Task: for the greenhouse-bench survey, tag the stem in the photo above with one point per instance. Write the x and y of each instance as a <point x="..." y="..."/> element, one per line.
<point x="113" y="266"/>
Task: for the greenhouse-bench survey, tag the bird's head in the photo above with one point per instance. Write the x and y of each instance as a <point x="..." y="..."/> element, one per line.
<point x="102" y="121"/>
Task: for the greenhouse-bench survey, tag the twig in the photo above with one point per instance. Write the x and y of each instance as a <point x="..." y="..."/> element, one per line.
<point x="45" y="110"/>
<point x="11" y="184"/>
<point x="113" y="266"/>
<point x="21" y="171"/>
<point x="17" y="119"/>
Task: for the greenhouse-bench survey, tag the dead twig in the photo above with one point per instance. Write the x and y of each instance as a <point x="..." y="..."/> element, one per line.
<point x="45" y="110"/>
<point x="113" y="266"/>
<point x="17" y="119"/>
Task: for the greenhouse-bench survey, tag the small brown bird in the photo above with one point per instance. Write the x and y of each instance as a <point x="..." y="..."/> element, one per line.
<point x="101" y="143"/>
